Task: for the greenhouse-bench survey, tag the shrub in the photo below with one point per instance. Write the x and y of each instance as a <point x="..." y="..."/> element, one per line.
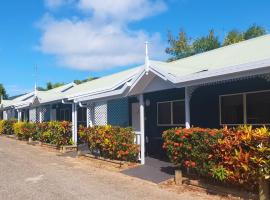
<point x="57" y="133"/>
<point x="191" y="148"/>
<point x="244" y="153"/>
<point x="6" y="127"/>
<point x="24" y="130"/>
<point x="239" y="156"/>
<point x="111" y="142"/>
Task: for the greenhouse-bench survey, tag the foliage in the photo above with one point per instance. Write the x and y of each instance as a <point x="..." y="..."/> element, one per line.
<point x="111" y="142"/>
<point x="85" y="80"/>
<point x="254" y="31"/>
<point x="6" y="127"/>
<point x="244" y="152"/>
<point x="183" y="46"/>
<point x="206" y="43"/>
<point x="3" y="92"/>
<point x="24" y="130"/>
<point x="238" y="156"/>
<point x="180" y="47"/>
<point x="232" y="37"/>
<point x="57" y="133"/>
<point x="219" y="173"/>
<point x="191" y="148"/>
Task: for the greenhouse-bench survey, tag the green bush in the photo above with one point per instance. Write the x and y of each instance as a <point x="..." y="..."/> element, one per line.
<point x="24" y="130"/>
<point x="190" y="148"/>
<point x="6" y="127"/>
<point x="111" y="142"/>
<point x="236" y="156"/>
<point x="57" y="133"/>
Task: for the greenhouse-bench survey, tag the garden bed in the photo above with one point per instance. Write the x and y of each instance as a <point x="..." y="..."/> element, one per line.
<point x="105" y="163"/>
<point x="220" y="189"/>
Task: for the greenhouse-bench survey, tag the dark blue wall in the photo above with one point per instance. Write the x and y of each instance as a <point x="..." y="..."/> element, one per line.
<point x="154" y="132"/>
<point x="204" y="104"/>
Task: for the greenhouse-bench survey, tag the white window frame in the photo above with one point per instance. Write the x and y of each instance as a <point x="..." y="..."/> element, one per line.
<point x="171" y="103"/>
<point x="244" y="107"/>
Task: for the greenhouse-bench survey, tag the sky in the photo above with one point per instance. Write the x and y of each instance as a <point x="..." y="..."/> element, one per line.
<point x="76" y="39"/>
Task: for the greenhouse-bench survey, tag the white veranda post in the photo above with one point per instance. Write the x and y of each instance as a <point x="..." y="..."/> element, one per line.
<point x="74" y="123"/>
<point x="19" y="115"/>
<point x="142" y="128"/>
<point x="187" y="107"/>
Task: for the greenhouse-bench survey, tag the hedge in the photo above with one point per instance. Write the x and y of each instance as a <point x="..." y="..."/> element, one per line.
<point x="240" y="156"/>
<point x="111" y="142"/>
<point x="6" y="127"/>
<point x="57" y="133"/>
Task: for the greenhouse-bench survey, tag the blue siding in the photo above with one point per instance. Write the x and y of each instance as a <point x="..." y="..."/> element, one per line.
<point x="118" y="112"/>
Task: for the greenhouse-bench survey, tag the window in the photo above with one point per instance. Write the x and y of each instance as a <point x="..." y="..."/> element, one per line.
<point x="171" y="113"/>
<point x="250" y="108"/>
<point x="258" y="108"/>
<point x="65" y="114"/>
<point x="232" y="111"/>
<point x="82" y="116"/>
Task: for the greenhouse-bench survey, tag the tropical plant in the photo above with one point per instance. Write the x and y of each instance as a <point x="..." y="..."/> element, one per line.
<point x="24" y="130"/>
<point x="111" y="142"/>
<point x="239" y="156"/>
<point x="6" y="127"/>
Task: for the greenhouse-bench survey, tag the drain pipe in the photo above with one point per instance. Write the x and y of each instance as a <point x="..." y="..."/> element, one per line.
<point x="89" y="114"/>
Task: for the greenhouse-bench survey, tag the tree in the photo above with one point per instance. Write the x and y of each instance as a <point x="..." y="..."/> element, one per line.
<point x="254" y="31"/>
<point x="85" y="80"/>
<point x="179" y="47"/>
<point x="3" y="91"/>
<point x="232" y="37"/>
<point x="53" y="85"/>
<point x="206" y="43"/>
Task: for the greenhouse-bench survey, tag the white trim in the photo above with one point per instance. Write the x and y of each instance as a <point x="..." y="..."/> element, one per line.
<point x="187" y="108"/>
<point x="142" y="128"/>
<point x="171" y="105"/>
<point x="244" y="94"/>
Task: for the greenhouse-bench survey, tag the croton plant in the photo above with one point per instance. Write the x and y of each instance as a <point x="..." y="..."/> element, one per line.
<point x="240" y="155"/>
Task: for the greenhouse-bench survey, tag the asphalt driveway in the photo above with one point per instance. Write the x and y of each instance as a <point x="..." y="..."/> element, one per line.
<point x="32" y="172"/>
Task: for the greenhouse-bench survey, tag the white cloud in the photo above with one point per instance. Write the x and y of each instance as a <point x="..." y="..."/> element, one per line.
<point x="56" y="3"/>
<point x="122" y="10"/>
<point x="103" y="41"/>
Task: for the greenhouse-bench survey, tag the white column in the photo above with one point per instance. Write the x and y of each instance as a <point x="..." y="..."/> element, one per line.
<point x="142" y="128"/>
<point x="89" y="115"/>
<point x="187" y="107"/>
<point x="74" y="123"/>
<point x="19" y="115"/>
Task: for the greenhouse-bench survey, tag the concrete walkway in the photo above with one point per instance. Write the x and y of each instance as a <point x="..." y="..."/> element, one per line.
<point x="32" y="172"/>
<point x="154" y="170"/>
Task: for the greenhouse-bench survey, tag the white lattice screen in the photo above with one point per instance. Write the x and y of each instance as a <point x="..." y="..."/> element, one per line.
<point x="33" y="115"/>
<point x="42" y="113"/>
<point x="100" y="113"/>
<point x="5" y="115"/>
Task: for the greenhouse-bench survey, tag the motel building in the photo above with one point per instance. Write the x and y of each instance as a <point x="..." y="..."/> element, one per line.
<point x="226" y="86"/>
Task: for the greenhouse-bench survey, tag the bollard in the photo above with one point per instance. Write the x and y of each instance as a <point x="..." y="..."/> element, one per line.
<point x="178" y="177"/>
<point x="264" y="191"/>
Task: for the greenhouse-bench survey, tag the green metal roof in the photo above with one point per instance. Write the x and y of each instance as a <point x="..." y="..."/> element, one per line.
<point x="236" y="54"/>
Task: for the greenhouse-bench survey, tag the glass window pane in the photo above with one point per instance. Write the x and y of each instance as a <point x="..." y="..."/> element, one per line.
<point x="178" y="112"/>
<point x="164" y="113"/>
<point x="232" y="109"/>
<point x="258" y="108"/>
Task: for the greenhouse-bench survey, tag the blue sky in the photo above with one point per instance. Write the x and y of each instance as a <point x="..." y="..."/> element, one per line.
<point x="75" y="39"/>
